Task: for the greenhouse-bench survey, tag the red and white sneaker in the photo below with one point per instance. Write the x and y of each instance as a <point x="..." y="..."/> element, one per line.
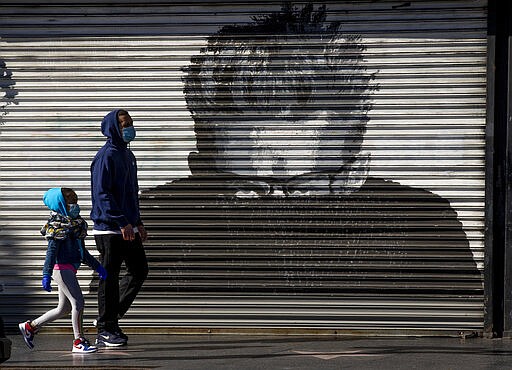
<point x="28" y="333"/>
<point x="82" y="345"/>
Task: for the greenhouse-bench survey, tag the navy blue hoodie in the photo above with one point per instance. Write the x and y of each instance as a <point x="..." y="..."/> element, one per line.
<point x="114" y="186"/>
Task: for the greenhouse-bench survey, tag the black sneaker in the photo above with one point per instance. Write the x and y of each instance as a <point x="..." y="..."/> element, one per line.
<point x="120" y="334"/>
<point x="108" y="339"/>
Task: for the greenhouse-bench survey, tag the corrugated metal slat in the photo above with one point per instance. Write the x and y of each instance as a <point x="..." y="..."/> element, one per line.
<point x="405" y="252"/>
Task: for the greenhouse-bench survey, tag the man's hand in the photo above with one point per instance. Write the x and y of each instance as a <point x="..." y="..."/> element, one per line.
<point x="128" y="233"/>
<point x="142" y="232"/>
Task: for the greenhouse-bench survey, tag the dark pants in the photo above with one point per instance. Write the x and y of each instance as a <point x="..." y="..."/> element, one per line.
<point x="115" y="297"/>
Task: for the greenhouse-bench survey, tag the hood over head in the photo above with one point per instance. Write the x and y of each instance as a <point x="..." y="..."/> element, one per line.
<point x="54" y="200"/>
<point x="110" y="129"/>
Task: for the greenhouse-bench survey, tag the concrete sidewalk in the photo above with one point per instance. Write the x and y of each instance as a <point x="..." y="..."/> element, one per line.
<point x="267" y="352"/>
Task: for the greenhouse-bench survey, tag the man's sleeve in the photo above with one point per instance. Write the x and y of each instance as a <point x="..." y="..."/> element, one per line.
<point x="103" y="175"/>
<point x="136" y="186"/>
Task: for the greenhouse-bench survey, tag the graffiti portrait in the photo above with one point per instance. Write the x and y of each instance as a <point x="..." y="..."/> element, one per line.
<point x="280" y="199"/>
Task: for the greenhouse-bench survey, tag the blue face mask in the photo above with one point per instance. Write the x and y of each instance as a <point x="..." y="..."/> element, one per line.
<point x="74" y="210"/>
<point x="128" y="134"/>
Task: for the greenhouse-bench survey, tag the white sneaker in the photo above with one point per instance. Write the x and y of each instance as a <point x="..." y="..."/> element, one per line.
<point x="82" y="345"/>
<point x="27" y="332"/>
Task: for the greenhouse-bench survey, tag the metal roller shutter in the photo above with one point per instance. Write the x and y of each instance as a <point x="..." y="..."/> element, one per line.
<point x="254" y="223"/>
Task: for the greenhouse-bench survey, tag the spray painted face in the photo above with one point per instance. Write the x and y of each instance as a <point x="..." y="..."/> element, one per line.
<point x="284" y="113"/>
<point x="284" y="156"/>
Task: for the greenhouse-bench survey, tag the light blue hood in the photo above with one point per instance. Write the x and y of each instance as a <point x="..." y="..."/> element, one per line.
<point x="54" y="200"/>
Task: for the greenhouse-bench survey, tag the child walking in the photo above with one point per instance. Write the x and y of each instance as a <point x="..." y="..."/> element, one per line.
<point x="65" y="232"/>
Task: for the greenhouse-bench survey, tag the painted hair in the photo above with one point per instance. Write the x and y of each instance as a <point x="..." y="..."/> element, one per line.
<point x="291" y="62"/>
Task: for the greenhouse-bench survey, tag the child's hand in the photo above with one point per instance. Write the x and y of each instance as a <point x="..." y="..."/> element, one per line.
<point x="47" y="279"/>
<point x="102" y="273"/>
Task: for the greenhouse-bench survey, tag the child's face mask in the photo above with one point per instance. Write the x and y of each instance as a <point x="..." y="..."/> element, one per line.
<point x="74" y="210"/>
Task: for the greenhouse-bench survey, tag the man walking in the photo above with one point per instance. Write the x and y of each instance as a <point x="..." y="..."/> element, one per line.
<point x="118" y="229"/>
